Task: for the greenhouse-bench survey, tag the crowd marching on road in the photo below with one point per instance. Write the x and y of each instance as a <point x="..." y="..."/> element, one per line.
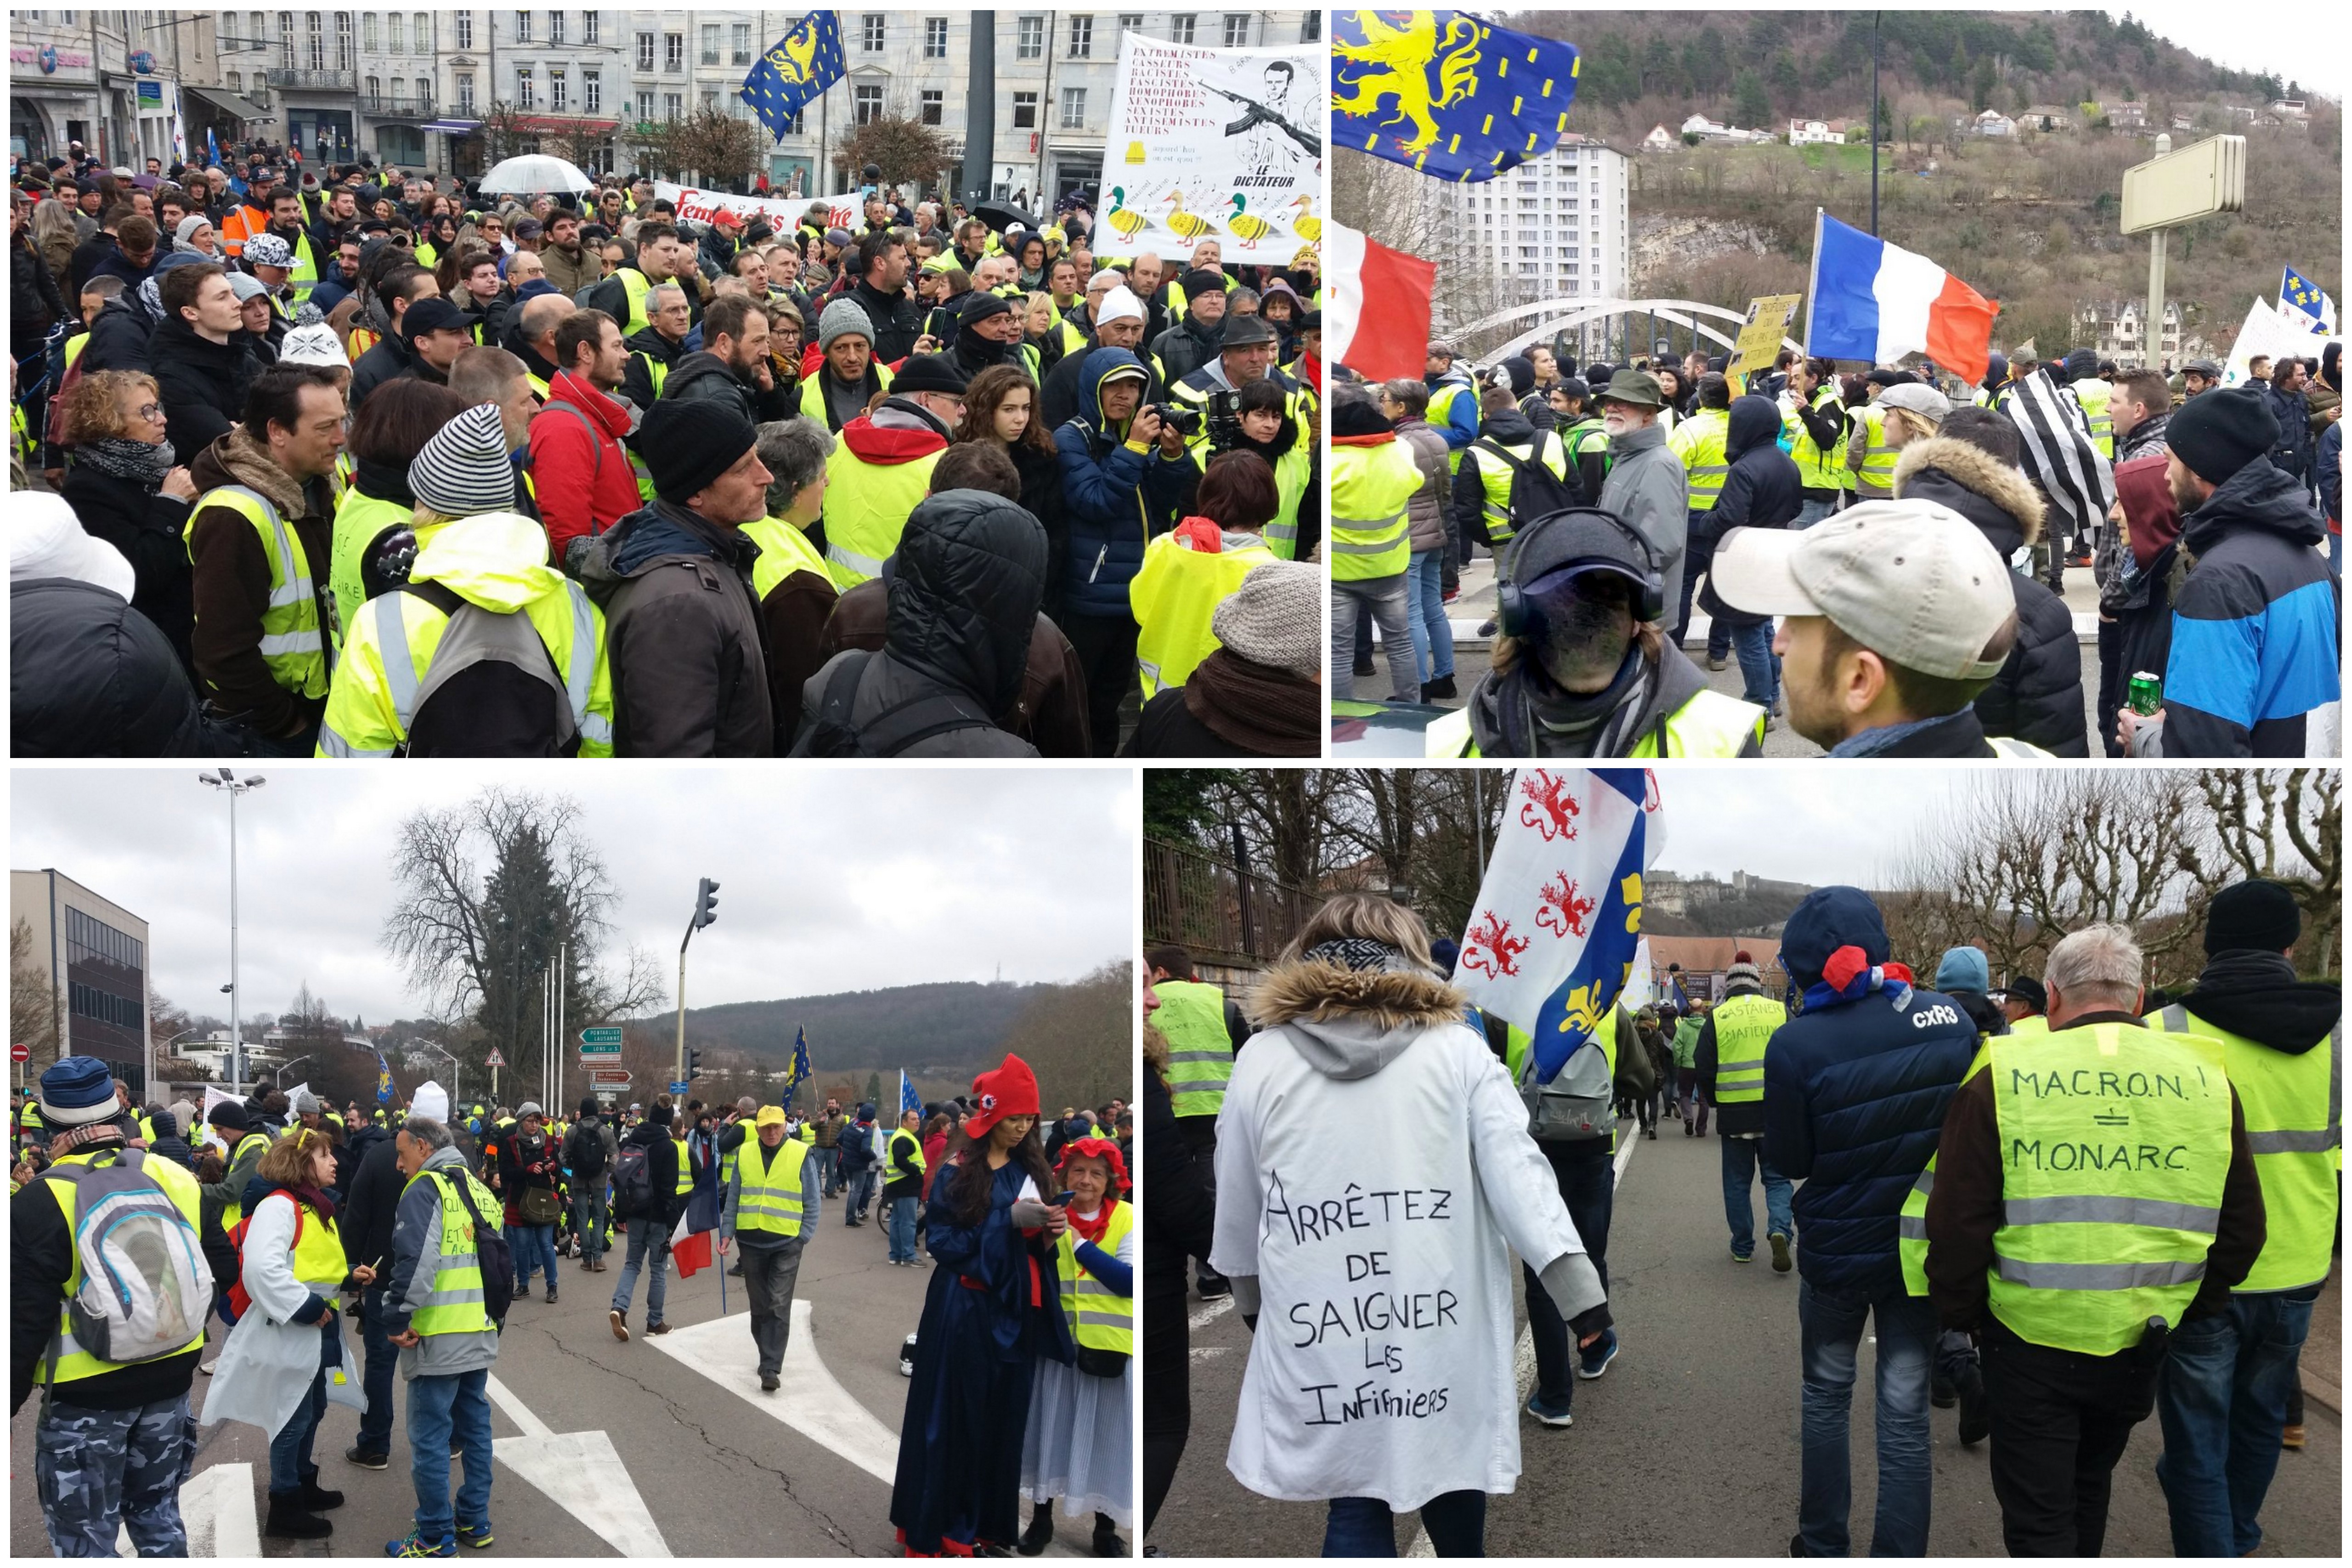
<point x="2063" y="1203"/>
<point x="365" y="467"/>
<point x="1810" y="513"/>
<point x="279" y="1216"/>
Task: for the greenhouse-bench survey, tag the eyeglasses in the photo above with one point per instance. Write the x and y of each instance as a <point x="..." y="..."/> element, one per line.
<point x="149" y="411"/>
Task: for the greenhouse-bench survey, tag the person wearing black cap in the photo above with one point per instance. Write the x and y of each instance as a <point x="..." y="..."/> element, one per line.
<point x="988" y="333"/>
<point x="1193" y="341"/>
<point x="2224" y="1394"/>
<point x="398" y="355"/>
<point x="2024" y="998"/>
<point x="2254" y="645"/>
<point x="683" y="624"/>
<point x="1580" y="425"/>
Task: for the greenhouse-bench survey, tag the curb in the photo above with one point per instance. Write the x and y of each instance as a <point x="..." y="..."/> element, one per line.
<point x="2319" y="1391"/>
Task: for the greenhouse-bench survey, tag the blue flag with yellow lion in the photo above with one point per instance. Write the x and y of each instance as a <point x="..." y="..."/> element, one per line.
<point x="796" y="71"/>
<point x="1447" y="93"/>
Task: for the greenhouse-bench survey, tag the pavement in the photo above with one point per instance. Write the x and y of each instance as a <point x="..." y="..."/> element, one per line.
<point x="1688" y="1446"/>
<point x="658" y="1447"/>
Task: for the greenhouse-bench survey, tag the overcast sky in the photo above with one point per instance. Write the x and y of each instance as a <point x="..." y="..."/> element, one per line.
<point x="830" y="879"/>
<point x="2300" y="46"/>
<point x="1803" y="822"/>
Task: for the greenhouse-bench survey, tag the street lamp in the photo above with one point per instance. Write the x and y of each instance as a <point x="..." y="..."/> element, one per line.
<point x="230" y="784"/>
<point x="453" y="1084"/>
<point x="283" y="1068"/>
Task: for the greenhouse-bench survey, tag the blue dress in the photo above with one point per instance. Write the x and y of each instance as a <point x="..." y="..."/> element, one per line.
<point x="993" y="1310"/>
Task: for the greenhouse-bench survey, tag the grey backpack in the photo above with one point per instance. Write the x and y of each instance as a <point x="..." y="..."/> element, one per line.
<point x="145" y="1286"/>
<point x="510" y="700"/>
<point x="1580" y="1103"/>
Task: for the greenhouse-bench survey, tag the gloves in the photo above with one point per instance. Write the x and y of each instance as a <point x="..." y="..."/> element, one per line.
<point x="1031" y="1215"/>
<point x="386" y="563"/>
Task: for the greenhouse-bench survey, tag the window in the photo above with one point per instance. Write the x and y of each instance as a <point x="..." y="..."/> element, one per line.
<point x="1073" y="109"/>
<point x="1180" y="29"/>
<point x="645" y="51"/>
<point x="526" y="95"/>
<point x="934" y="106"/>
<point x="869" y="105"/>
<point x="710" y="44"/>
<point x="398" y="33"/>
<point x="673" y="53"/>
<point x="1130" y="22"/>
<point x="1024" y="112"/>
<point x="742" y="43"/>
<point x="237" y="81"/>
<point x="368" y="34"/>
<point x="466" y="92"/>
<point x="592" y="90"/>
<point x="934" y="38"/>
<point x="673" y="105"/>
<point x="1310" y="31"/>
<point x="286" y="39"/>
<point x="711" y="100"/>
<point x="555" y="26"/>
<point x="646" y="106"/>
<point x="464" y="29"/>
<point x="558" y="90"/>
<point x="1082" y="38"/>
<point x="1029" y="38"/>
<point x="375" y="86"/>
<point x="876" y="27"/>
<point x="92" y="941"/>
<point x="316" y="34"/>
<point x="423" y="93"/>
<point x="591" y="29"/>
<point x="1237" y="30"/>
<point x="105" y="1006"/>
<point x="343" y="40"/>
<point x="522" y="27"/>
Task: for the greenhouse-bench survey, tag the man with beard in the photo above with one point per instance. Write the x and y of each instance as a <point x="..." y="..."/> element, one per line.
<point x="286" y="224"/>
<point x="839" y="389"/>
<point x="880" y="264"/>
<point x="570" y="265"/>
<point x="342" y="275"/>
<point x="731" y="367"/>
<point x="988" y="333"/>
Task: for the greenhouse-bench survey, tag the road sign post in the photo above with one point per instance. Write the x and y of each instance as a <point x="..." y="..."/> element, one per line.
<point x="2174" y="188"/>
<point x="600" y="1045"/>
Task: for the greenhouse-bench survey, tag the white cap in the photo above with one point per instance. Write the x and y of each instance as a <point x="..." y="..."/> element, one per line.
<point x="1119" y="305"/>
<point x="431" y="1101"/>
<point x="46" y="540"/>
<point x="1913" y="581"/>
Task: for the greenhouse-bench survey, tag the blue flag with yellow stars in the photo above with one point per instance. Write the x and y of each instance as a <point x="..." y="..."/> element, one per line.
<point x="385" y="1089"/>
<point x="1447" y="93"/>
<point x="802" y="64"/>
<point x="802" y="1072"/>
<point x="2298" y="296"/>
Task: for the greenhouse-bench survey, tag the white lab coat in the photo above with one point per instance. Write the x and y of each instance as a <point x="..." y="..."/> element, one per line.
<point x="266" y="1370"/>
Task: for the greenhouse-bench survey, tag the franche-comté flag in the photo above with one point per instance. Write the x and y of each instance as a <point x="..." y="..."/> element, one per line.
<point x="796" y="70"/>
<point x="1445" y="93"/>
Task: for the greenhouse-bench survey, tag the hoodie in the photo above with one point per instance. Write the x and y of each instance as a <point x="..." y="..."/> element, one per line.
<point x="1116" y="493"/>
<point x="1761" y="489"/>
<point x="1521" y="714"/>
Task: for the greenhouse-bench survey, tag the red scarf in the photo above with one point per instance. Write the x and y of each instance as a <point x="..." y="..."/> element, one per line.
<point x="1094" y="1229"/>
<point x="1310" y="370"/>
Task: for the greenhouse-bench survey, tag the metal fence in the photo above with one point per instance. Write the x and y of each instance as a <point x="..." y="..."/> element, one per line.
<point x="1193" y="897"/>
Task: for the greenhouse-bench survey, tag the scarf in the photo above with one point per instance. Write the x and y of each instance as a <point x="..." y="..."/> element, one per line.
<point x="1264" y="712"/>
<point x="1357" y="953"/>
<point x="1093" y="1229"/>
<point x="127" y="459"/>
<point x="1849" y="976"/>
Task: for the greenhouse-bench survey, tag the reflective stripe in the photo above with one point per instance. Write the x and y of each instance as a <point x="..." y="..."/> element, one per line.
<point x="1710" y="468"/>
<point x="451" y="1297"/>
<point x="2319" y="1141"/>
<point x="867" y="564"/>
<point x="309" y="641"/>
<point x="597" y="728"/>
<point x="399" y="663"/>
<point x="583" y="656"/>
<point x="1374" y="547"/>
<point x="2043" y="1275"/>
<point x="2175" y="1018"/>
<point x="1223" y="1056"/>
<point x="333" y="745"/>
<point x="1102" y="1319"/>
<point x="2110" y="1210"/>
<point x="1911" y="1226"/>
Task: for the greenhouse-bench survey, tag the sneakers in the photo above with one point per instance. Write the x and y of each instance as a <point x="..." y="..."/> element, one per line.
<point x="1651" y="1133"/>
<point x="551" y="1293"/>
<point x="414" y="1545"/>
<point x="2291" y="1435"/>
<point x="1780" y="1264"/>
<point x="476" y="1536"/>
<point x="1593" y="1362"/>
<point x="1213" y="1287"/>
<point x="1688" y="1131"/>
<point x="657" y="1328"/>
<point x="906" y="1357"/>
<point x="1740" y="1256"/>
<point x="620" y="1321"/>
<point x="365" y="1460"/>
<point x="1549" y="1415"/>
<point x="1713" y="662"/>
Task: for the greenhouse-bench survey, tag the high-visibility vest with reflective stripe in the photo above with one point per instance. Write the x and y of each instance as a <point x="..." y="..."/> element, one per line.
<point x="1100" y="1318"/>
<point x="299" y="652"/>
<point x="783" y="550"/>
<point x="319" y="1260"/>
<point x="359" y="519"/>
<point x="1192" y="1015"/>
<point x="1495" y="476"/>
<point x="1371" y="535"/>
<point x="2114" y="1147"/>
<point x="2294" y="1110"/>
<point x="1582" y="437"/>
<point x="73" y="1361"/>
<point x="1698" y="441"/>
<point x="1875" y="480"/>
<point x="1816" y="469"/>
<point x="1174" y="596"/>
<point x="1710" y="724"/>
<point x="636" y="286"/>
<point x="1441" y="415"/>
<point x="1743" y="1028"/>
<point x="2095" y="397"/>
<point x="304" y="274"/>
<point x="1911" y="1224"/>
<point x="810" y="398"/>
<point x="914" y="1153"/>
<point x="234" y="1211"/>
<point x="768" y="1200"/>
<point x="865" y="509"/>
<point x="656" y="371"/>
<point x="380" y="682"/>
<point x="685" y="1167"/>
<point x="454" y="1304"/>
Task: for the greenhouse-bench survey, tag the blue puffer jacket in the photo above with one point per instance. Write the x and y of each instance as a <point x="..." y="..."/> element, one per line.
<point x="1116" y="499"/>
<point x="1854" y="1095"/>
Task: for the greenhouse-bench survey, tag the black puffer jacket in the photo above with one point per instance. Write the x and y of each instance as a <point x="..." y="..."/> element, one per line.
<point x="203" y="383"/>
<point x="703" y="377"/>
<point x="117" y="339"/>
<point x="965" y="586"/>
<point x="2037" y="697"/>
<point x="147" y="526"/>
<point x="91" y="677"/>
<point x="36" y="305"/>
<point x="1762" y="489"/>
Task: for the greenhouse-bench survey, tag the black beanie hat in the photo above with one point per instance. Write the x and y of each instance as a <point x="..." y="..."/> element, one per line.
<point x="228" y="1113"/>
<point x="929" y="373"/>
<point x="2255" y="915"/>
<point x="1359" y="416"/>
<point x="659" y="1114"/>
<point x="1522" y="372"/>
<point x="2221" y="432"/>
<point x="978" y="305"/>
<point x="687" y="445"/>
<point x="588" y="1105"/>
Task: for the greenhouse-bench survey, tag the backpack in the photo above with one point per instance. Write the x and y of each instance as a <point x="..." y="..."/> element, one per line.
<point x="238" y="1301"/>
<point x="492" y="1255"/>
<point x="1579" y="1104"/>
<point x="633" y="1181"/>
<point x="145" y="1286"/>
<point x="1535" y="490"/>
<point x="506" y="697"/>
<point x="889" y="733"/>
<point x="587" y="1155"/>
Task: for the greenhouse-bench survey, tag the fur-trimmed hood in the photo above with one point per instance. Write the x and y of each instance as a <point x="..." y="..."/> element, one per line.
<point x="1998" y="499"/>
<point x="1350" y="1024"/>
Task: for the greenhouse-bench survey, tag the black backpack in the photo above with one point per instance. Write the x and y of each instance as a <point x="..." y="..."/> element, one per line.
<point x="1535" y="490"/>
<point x="633" y="1182"/>
<point x="492" y="1256"/>
<point x="889" y="733"/>
<point x="586" y="1156"/>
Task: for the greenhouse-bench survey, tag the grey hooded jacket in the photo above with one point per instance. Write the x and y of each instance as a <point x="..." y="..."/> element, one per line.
<point x="1648" y="489"/>
<point x="416" y="1257"/>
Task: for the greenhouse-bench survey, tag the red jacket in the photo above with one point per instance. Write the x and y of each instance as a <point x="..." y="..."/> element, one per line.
<point x="581" y="487"/>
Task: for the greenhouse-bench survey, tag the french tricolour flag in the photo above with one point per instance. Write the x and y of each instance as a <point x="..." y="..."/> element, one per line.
<point x="1379" y="324"/>
<point x="1876" y="302"/>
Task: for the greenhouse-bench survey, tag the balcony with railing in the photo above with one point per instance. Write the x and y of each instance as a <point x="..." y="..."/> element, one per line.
<point x="1194" y="897"/>
<point x="398" y="107"/>
<point x="313" y="80"/>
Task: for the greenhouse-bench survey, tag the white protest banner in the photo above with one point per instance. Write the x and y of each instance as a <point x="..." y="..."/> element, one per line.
<point x="782" y="213"/>
<point x="1224" y="144"/>
<point x="2266" y="331"/>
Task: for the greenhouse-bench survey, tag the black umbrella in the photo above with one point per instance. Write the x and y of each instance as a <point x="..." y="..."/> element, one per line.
<point x="999" y="217"/>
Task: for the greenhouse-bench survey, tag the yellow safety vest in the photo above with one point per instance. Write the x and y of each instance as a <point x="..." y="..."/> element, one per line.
<point x="2095" y="397"/>
<point x="1698" y="441"/>
<point x="783" y="550"/>
<point x="1192" y="1015"/>
<point x="1743" y="1028"/>
<point x="235" y="1211"/>
<point x="914" y="1153"/>
<point x="299" y="652"/>
<point x="685" y="1167"/>
<point x="1816" y="469"/>
<point x="319" y="1260"/>
<point x="810" y="399"/>
<point x="1175" y="595"/>
<point x="1874" y="477"/>
<point x="1710" y="724"/>
<point x="1441" y="415"/>
<point x="425" y="254"/>
<point x="454" y="1305"/>
<point x="1100" y="1318"/>
<point x="1495" y="476"/>
<point x="304" y="274"/>
<point x="1582" y="437"/>
<point x="769" y="1198"/>
<point x="866" y="508"/>
<point x="636" y="286"/>
<point x="359" y="519"/>
<point x="1370" y="487"/>
<point x="2114" y="1147"/>
<point x="1911" y="1224"/>
<point x="656" y="371"/>
<point x="2294" y="1110"/>
<point x="73" y="1361"/>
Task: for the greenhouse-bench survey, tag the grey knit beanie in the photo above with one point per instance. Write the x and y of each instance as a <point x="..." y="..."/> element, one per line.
<point x="843" y="315"/>
<point x="463" y="471"/>
<point x="1276" y="617"/>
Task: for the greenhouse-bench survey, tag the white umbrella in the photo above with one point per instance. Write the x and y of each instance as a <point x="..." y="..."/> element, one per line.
<point x="532" y="175"/>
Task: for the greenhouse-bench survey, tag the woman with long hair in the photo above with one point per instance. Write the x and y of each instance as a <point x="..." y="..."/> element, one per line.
<point x="1002" y="405"/>
<point x="993" y="1310"/>
<point x="1081" y="1416"/>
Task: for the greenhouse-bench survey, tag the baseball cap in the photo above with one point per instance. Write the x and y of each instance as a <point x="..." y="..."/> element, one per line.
<point x="1918" y="398"/>
<point x="1913" y="581"/>
<point x="1566" y="544"/>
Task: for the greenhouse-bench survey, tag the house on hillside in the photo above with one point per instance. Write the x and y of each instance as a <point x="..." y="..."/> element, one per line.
<point x="2289" y="107"/>
<point x="1658" y="140"/>
<point x="2116" y="329"/>
<point x="1703" y="960"/>
<point x="1993" y="122"/>
<point x="2130" y="116"/>
<point x="1706" y="130"/>
<point x="1813" y="133"/>
<point x="2184" y="122"/>
<point x="2047" y="116"/>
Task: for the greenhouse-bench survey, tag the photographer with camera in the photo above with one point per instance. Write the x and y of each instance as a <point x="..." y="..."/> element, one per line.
<point x="1264" y="421"/>
<point x="1245" y="354"/>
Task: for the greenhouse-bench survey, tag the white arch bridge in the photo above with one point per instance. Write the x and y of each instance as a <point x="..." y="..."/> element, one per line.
<point x="1557" y="316"/>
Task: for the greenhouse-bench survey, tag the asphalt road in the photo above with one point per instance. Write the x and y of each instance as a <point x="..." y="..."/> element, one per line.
<point x="1688" y="1446"/>
<point x="655" y="1448"/>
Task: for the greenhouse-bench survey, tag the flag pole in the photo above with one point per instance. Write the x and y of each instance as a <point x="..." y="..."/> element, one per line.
<point x="1813" y="281"/>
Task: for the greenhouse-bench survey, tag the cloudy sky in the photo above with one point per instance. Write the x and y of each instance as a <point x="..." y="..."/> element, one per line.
<point x="2247" y="41"/>
<point x="830" y="879"/>
<point x="1802" y="822"/>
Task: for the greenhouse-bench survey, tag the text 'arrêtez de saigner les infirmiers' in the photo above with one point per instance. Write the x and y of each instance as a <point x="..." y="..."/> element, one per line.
<point x="1375" y="1313"/>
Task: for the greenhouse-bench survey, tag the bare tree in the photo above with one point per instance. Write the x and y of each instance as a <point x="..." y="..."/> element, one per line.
<point x="2285" y="825"/>
<point x="908" y="152"/>
<point x="32" y="1000"/>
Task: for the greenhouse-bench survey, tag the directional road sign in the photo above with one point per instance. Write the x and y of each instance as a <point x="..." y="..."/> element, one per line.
<point x="618" y="1077"/>
<point x="596" y="1043"/>
<point x="677" y="1088"/>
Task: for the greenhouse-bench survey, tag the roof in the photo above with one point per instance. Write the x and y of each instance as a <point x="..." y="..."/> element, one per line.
<point x="228" y="103"/>
<point x="1709" y="954"/>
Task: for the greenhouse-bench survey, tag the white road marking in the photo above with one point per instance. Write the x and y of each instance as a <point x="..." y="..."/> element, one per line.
<point x="216" y="1507"/>
<point x="1203" y="1316"/>
<point x="1204" y="1352"/>
<point x="519" y="1413"/>
<point x="580" y="1473"/>
<point x="810" y="1401"/>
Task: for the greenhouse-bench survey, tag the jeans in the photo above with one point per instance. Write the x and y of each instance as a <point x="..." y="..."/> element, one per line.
<point x="1830" y="1325"/>
<point x="2061" y="1421"/>
<point x="769" y="1275"/>
<point x="2221" y="1398"/>
<point x="1759" y="667"/>
<point x="291" y="1463"/>
<point x="590" y="1205"/>
<point x="1810" y="512"/>
<point x="1698" y="555"/>
<point x="1455" y="1524"/>
<point x="861" y="1193"/>
<point x="1588" y="1186"/>
<point x="534" y="1248"/>
<point x="825" y="1162"/>
<point x="648" y="1244"/>
<point x="1383" y="599"/>
<point x="382" y="1358"/>
<point x="1742" y="1159"/>
<point x="1433" y="633"/>
<point x="441" y="1408"/>
<point x="902" y="1229"/>
<point x="1686" y="1093"/>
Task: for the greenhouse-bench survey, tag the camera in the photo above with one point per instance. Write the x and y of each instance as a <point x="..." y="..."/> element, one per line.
<point x="1225" y="420"/>
<point x="1177" y="417"/>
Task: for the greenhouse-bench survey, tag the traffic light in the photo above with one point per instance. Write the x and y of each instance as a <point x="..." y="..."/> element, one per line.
<point x="693" y="1063"/>
<point x="706" y="903"/>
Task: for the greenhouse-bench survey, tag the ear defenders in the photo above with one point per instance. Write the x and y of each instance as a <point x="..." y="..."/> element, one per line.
<point x="1515" y="617"/>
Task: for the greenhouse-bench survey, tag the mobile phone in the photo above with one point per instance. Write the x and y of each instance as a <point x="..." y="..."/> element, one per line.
<point x="1062" y="1200"/>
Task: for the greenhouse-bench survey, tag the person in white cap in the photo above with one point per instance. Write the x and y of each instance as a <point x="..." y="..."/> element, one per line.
<point x="1899" y="612"/>
<point x="1119" y="324"/>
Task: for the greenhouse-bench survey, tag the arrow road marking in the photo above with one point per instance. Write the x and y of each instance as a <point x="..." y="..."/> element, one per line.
<point x="809" y="1400"/>
<point x="217" y="1506"/>
<point x="580" y="1473"/>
